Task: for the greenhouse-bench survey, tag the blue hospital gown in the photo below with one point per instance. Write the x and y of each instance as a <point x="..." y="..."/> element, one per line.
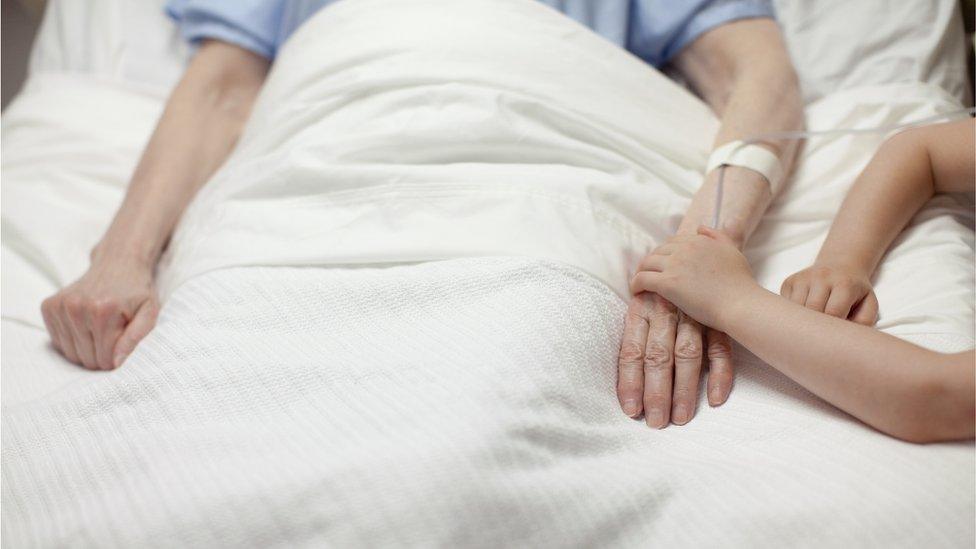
<point x="654" y="30"/>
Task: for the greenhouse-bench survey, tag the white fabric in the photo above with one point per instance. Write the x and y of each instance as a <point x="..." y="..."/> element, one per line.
<point x="459" y="402"/>
<point x="756" y="158"/>
<point x="529" y="136"/>
<point x="465" y="403"/>
<point x="838" y="44"/>
<point x="835" y="44"/>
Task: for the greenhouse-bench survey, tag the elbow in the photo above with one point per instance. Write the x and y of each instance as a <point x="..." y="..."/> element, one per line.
<point x="226" y="79"/>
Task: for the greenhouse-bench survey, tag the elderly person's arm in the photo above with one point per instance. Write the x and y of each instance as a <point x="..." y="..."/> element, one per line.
<point x="97" y="320"/>
<point x="743" y="71"/>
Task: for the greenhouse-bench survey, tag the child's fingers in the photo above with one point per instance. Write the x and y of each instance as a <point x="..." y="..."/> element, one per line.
<point x="716" y="234"/>
<point x="652" y="262"/>
<point x="646" y="281"/>
<point x="787" y="288"/>
<point x="842" y="299"/>
<point x="817" y="297"/>
<point x="866" y="312"/>
<point x="799" y="292"/>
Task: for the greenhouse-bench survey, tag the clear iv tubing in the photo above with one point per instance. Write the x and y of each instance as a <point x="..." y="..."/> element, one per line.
<point x="803" y="134"/>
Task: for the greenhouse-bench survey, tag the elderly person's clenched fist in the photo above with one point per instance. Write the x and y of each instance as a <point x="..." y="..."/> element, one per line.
<point x="98" y="320"/>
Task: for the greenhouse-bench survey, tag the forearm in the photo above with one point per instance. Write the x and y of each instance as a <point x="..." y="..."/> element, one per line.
<point x="904" y="174"/>
<point x="755" y="91"/>
<point x="199" y="127"/>
<point x="892" y="385"/>
<point x="891" y="189"/>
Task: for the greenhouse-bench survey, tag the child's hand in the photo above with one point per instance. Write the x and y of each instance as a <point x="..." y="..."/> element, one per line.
<point x="838" y="291"/>
<point x="701" y="274"/>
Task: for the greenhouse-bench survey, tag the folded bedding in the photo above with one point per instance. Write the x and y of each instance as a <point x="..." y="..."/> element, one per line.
<point x="392" y="317"/>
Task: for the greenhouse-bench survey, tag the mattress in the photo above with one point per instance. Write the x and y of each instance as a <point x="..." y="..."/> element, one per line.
<point x="450" y="391"/>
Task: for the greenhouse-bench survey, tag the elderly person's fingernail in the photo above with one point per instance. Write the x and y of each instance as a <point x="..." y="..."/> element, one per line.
<point x="680" y="415"/>
<point x="655" y="418"/>
<point x="715" y="396"/>
<point x="631" y="407"/>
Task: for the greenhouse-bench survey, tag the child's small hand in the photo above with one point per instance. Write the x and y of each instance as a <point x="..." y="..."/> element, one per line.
<point x="701" y="274"/>
<point x="838" y="291"/>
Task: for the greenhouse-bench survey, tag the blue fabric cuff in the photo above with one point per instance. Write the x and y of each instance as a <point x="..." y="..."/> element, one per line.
<point x="713" y="16"/>
<point x="196" y="32"/>
<point x="198" y="25"/>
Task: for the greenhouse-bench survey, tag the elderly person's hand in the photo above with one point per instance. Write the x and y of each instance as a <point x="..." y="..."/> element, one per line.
<point x="661" y="356"/>
<point x="98" y="320"/>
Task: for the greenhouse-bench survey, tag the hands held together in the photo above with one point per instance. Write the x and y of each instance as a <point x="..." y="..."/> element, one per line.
<point x="704" y="276"/>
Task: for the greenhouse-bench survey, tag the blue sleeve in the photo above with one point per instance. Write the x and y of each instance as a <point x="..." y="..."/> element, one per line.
<point x="660" y="29"/>
<point x="254" y="25"/>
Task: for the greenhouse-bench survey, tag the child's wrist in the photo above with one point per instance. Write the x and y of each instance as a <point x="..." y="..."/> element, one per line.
<point x="847" y="265"/>
<point x="739" y="305"/>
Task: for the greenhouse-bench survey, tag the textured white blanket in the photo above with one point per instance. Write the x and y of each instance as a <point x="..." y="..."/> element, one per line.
<point x="457" y="403"/>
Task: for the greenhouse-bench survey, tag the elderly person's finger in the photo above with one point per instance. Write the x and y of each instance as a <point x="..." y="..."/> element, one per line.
<point x="48" y="311"/>
<point x="65" y="337"/>
<point x="687" y="369"/>
<point x="76" y="322"/>
<point x="659" y="362"/>
<point x="866" y="312"/>
<point x="720" y="366"/>
<point x="107" y="324"/>
<point x="630" y="362"/>
<point x="138" y="328"/>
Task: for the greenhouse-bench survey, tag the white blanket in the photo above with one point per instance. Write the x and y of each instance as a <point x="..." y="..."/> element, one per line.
<point x="466" y="401"/>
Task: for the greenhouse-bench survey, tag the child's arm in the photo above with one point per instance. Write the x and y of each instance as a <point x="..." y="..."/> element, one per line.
<point x="904" y="174"/>
<point x="898" y="388"/>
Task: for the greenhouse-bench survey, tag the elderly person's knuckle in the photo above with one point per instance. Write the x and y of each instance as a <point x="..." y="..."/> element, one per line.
<point x="74" y="305"/>
<point x="662" y="305"/>
<point x="664" y="318"/>
<point x="631" y="353"/>
<point x="657" y="355"/>
<point x="655" y="396"/>
<point x="104" y="308"/>
<point x="719" y="349"/>
<point x="689" y="349"/>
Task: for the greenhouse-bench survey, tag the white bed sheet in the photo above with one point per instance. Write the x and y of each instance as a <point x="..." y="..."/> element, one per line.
<point x="233" y="424"/>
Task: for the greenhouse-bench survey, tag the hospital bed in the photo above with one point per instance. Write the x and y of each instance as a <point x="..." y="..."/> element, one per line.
<point x="338" y="368"/>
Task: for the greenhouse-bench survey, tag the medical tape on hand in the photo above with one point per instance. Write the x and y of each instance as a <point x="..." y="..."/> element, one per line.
<point x="754" y="157"/>
<point x="791" y="135"/>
